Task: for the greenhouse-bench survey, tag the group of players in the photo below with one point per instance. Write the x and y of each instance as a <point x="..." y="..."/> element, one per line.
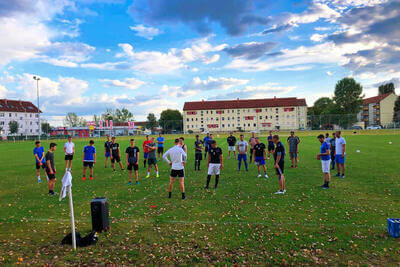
<point x="332" y="150"/>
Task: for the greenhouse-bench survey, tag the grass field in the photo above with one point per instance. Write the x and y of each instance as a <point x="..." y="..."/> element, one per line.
<point x="242" y="222"/>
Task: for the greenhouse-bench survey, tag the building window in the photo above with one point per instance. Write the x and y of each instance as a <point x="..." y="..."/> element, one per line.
<point x="207" y="111"/>
<point x="260" y="117"/>
<point x="229" y="125"/>
<point x="1" y="114"/>
<point x="227" y="111"/>
<point x="188" y="126"/>
<point x="248" y="124"/>
<point x="211" y="112"/>
<point x="187" y="119"/>
<point x="270" y="117"/>
<point x="254" y="125"/>
<point x="223" y="118"/>
<point x="233" y="125"/>
<point x="223" y="125"/>
<point x="192" y="119"/>
<point x="9" y="115"/>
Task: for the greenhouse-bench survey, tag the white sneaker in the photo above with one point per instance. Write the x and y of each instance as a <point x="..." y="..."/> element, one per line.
<point x="266" y="176"/>
<point x="279" y="192"/>
<point x="284" y="191"/>
<point x="259" y="176"/>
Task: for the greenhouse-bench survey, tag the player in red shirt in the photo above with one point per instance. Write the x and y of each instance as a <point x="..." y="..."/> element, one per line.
<point x="145" y="150"/>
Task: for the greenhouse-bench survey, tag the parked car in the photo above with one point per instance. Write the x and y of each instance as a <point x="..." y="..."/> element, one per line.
<point x="374" y="127"/>
<point x="356" y="127"/>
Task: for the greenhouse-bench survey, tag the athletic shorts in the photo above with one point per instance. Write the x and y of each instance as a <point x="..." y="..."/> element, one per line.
<point x="108" y="154"/>
<point x="152" y="161"/>
<point x="260" y="160"/>
<point x="135" y="167"/>
<point x="242" y="156"/>
<point x="214" y="169"/>
<point x="198" y="156"/>
<point x="88" y="164"/>
<point x="271" y="148"/>
<point x="206" y="149"/>
<point x="339" y="159"/>
<point x="160" y="149"/>
<point x="145" y="155"/>
<point x="231" y="148"/>
<point x="281" y="167"/>
<point x="116" y="159"/>
<point x="38" y="166"/>
<point x="293" y="155"/>
<point x="326" y="164"/>
<point x="51" y="176"/>
<point x="69" y="157"/>
<point x="333" y="155"/>
<point x="177" y="173"/>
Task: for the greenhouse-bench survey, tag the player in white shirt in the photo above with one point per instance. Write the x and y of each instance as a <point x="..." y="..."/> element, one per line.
<point x="69" y="150"/>
<point x="340" y="145"/>
<point x="177" y="163"/>
<point x="242" y="146"/>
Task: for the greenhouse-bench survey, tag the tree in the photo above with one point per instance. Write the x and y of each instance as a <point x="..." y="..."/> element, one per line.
<point x="151" y="121"/>
<point x="348" y="99"/>
<point x="13" y="127"/>
<point x="45" y="127"/>
<point x="117" y="115"/>
<point x="396" y="110"/>
<point x="72" y="120"/>
<point x="171" y="120"/>
<point x="386" y="88"/>
<point x="323" y="105"/>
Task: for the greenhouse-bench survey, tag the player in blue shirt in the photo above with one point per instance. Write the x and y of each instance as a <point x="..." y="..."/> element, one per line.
<point x="89" y="159"/>
<point x="271" y="145"/>
<point x="325" y="158"/>
<point x="160" y="145"/>
<point x="279" y="156"/>
<point x="38" y="152"/>
<point x="205" y="142"/>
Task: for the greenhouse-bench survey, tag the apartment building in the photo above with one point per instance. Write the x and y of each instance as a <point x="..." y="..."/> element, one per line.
<point x="245" y="115"/>
<point x="378" y="110"/>
<point x="23" y="112"/>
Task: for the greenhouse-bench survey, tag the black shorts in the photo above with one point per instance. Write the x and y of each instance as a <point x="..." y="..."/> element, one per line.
<point x="152" y="161"/>
<point x="88" y="164"/>
<point x="51" y="176"/>
<point x="198" y="156"/>
<point x="135" y="167"/>
<point x="38" y="166"/>
<point x="115" y="159"/>
<point x="333" y="154"/>
<point x="251" y="151"/>
<point x="206" y="149"/>
<point x="177" y="173"/>
<point x="271" y="148"/>
<point x="160" y="149"/>
<point x="69" y="157"/>
<point x="281" y="167"/>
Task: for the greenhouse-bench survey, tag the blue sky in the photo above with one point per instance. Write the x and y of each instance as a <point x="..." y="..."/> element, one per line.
<point x="149" y="55"/>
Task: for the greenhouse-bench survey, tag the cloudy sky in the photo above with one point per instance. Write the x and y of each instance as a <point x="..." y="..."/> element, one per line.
<point x="148" y="55"/>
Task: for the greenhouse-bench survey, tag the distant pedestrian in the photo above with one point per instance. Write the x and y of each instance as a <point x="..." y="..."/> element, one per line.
<point x="115" y="154"/>
<point x="152" y="159"/>
<point x="242" y="147"/>
<point x="332" y="148"/>
<point x="214" y="163"/>
<point x="160" y="145"/>
<point x="132" y="161"/>
<point x="107" y="153"/>
<point x="39" y="155"/>
<point x="69" y="150"/>
<point x="252" y="143"/>
<point x="198" y="153"/>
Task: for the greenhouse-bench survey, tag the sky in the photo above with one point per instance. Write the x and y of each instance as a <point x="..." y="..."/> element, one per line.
<point x="150" y="55"/>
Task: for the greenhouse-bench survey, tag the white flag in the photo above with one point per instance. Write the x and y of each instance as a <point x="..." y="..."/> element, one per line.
<point x="66" y="181"/>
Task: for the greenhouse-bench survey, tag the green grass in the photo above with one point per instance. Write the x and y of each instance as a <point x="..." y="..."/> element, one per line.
<point x="241" y="222"/>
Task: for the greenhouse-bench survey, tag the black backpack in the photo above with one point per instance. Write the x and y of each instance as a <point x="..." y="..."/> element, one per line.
<point x="90" y="239"/>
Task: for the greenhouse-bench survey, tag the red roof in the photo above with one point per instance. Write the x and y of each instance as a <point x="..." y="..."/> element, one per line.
<point x="245" y="103"/>
<point x="376" y="99"/>
<point x="17" y="106"/>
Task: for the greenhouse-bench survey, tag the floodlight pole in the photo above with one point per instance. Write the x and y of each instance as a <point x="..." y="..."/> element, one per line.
<point x="37" y="79"/>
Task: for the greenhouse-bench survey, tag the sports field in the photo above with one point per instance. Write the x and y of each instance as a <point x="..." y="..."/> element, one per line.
<point x="241" y="222"/>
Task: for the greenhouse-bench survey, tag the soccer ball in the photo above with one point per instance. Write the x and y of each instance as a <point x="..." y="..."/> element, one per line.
<point x="390" y="143"/>
<point x="358" y="151"/>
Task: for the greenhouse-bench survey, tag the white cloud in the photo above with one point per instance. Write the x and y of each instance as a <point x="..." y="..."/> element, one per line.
<point x="3" y="91"/>
<point x="145" y="32"/>
<point x="318" y="37"/>
<point x="329" y="73"/>
<point x="129" y="83"/>
<point x="212" y="83"/>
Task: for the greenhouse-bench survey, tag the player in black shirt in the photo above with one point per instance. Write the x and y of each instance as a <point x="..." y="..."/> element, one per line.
<point x="107" y="154"/>
<point x="132" y="160"/>
<point x="260" y="156"/>
<point x="198" y="153"/>
<point x="115" y="154"/>
<point x="214" y="163"/>
<point x="231" y="140"/>
<point x="279" y="156"/>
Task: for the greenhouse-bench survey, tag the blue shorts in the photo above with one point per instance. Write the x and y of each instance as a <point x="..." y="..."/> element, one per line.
<point x="339" y="159"/>
<point x="242" y="156"/>
<point x="145" y="155"/>
<point x="108" y="154"/>
<point x="260" y="160"/>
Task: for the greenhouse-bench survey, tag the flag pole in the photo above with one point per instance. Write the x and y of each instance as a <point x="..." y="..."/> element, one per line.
<point x="71" y="208"/>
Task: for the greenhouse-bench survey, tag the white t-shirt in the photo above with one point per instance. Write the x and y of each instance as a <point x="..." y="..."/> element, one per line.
<point x="242" y="146"/>
<point x="338" y="143"/>
<point x="69" y="148"/>
<point x="177" y="155"/>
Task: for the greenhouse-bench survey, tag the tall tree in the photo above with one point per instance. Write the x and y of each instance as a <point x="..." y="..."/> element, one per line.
<point x="323" y="105"/>
<point x="396" y="110"/>
<point x="13" y="127"/>
<point x="71" y="119"/>
<point x="45" y="127"/>
<point x="171" y="120"/>
<point x="151" y="121"/>
<point x="386" y="88"/>
<point x="348" y="98"/>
